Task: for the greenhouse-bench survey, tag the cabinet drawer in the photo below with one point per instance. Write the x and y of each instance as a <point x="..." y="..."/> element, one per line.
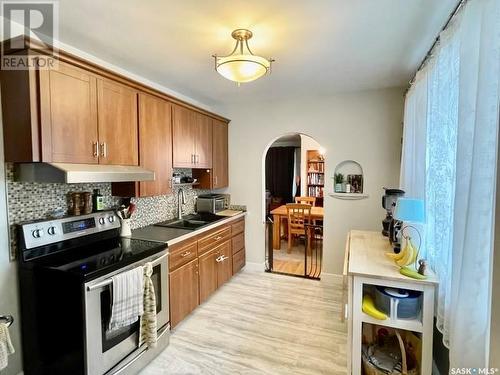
<point x="213" y="239"/>
<point x="182" y="253"/>
<point x="238" y="227"/>
<point x="238" y="261"/>
<point x="238" y="242"/>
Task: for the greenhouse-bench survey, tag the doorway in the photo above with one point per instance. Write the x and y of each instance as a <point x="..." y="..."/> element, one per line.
<point x="294" y="190"/>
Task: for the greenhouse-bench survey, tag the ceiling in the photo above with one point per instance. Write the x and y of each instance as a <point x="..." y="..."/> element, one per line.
<point x="321" y="47"/>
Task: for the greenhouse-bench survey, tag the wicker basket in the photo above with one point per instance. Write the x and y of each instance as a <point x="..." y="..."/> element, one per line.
<point x="370" y="369"/>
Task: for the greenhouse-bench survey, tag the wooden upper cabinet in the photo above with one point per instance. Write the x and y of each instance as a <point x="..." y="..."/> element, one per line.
<point x="117" y="123"/>
<point x="203" y="154"/>
<point x="78" y="112"/>
<point x="220" y="173"/>
<point x="155" y="144"/>
<point x="183" y="137"/>
<point x="192" y="138"/>
<point x="68" y="115"/>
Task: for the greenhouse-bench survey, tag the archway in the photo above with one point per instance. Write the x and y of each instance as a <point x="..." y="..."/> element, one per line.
<point x="292" y="204"/>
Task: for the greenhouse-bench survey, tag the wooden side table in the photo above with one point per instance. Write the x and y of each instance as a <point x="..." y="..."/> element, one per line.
<point x="366" y="264"/>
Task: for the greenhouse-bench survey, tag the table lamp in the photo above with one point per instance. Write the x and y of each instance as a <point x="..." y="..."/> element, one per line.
<point x="409" y="210"/>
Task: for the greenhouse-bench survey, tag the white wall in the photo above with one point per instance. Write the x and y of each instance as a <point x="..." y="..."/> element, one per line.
<point x="363" y="126"/>
<point x="307" y="143"/>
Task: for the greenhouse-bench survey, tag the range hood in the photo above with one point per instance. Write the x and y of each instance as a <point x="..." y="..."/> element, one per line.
<point x="80" y="173"/>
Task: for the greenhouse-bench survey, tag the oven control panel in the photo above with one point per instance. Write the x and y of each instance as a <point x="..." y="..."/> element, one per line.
<point x="46" y="232"/>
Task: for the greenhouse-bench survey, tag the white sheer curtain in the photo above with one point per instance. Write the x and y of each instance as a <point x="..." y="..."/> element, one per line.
<point x="415" y="130"/>
<point x="452" y="113"/>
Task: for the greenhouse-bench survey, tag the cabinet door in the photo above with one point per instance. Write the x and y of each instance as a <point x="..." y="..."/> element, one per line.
<point x="225" y="263"/>
<point x="203" y="141"/>
<point x="155" y="144"/>
<point x="118" y="125"/>
<point x="220" y="155"/>
<point x="183" y="137"/>
<point x="68" y="109"/>
<point x="183" y="284"/>
<point x="208" y="274"/>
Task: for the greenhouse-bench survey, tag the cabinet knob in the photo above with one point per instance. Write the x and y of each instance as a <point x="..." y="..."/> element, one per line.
<point x="95" y="149"/>
<point x="183" y="255"/>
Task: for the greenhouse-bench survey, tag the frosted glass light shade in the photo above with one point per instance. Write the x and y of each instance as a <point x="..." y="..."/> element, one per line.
<point x="242" y="68"/>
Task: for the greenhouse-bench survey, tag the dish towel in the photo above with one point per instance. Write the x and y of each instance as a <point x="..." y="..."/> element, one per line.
<point x="128" y="301"/>
<point x="6" y="347"/>
<point x="148" y="332"/>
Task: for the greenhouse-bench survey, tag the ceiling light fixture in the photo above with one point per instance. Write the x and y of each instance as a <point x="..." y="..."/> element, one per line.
<point x="242" y="65"/>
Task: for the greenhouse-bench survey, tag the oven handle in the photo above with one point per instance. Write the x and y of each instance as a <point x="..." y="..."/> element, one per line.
<point x="109" y="281"/>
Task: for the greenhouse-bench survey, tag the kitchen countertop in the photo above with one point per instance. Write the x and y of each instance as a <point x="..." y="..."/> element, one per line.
<point x="171" y="236"/>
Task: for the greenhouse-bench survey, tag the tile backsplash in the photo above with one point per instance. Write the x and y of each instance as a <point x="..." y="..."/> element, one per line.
<point x="31" y="200"/>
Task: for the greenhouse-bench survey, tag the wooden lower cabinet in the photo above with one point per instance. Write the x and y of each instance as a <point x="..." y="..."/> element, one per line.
<point x="215" y="269"/>
<point x="200" y="265"/>
<point x="224" y="263"/>
<point x="238" y="261"/>
<point x="184" y="291"/>
<point x="208" y="274"/>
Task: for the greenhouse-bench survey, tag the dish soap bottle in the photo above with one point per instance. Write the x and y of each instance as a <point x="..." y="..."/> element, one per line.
<point x="97" y="200"/>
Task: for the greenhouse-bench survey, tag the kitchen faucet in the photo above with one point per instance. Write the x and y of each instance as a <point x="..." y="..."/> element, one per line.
<point x="181" y="199"/>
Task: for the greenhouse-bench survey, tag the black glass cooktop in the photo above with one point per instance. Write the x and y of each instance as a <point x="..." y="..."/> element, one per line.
<point x="93" y="260"/>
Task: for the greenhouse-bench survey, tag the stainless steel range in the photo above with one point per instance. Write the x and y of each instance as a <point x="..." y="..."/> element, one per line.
<point x="65" y="269"/>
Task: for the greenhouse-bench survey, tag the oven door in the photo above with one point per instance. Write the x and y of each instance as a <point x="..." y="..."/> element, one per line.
<point x="104" y="349"/>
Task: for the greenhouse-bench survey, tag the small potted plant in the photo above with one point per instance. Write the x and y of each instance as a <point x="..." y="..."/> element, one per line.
<point x="339" y="180"/>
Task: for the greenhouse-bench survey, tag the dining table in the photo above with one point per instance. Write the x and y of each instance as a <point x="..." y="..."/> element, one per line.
<point x="317" y="213"/>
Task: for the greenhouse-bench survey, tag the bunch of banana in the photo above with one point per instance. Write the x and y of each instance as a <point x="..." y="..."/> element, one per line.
<point x="407" y="271"/>
<point x="406" y="256"/>
<point x="369" y="308"/>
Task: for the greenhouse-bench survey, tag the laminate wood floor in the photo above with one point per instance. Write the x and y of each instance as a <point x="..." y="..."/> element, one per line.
<point x="294" y="262"/>
<point x="261" y="323"/>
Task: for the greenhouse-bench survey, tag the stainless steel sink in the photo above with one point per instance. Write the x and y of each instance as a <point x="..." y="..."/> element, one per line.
<point x="190" y="222"/>
<point x="186" y="224"/>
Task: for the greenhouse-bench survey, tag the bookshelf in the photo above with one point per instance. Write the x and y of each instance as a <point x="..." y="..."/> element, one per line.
<point x="315" y="176"/>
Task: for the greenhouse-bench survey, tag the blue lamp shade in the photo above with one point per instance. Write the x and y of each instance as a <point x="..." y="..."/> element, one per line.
<point x="411" y="210"/>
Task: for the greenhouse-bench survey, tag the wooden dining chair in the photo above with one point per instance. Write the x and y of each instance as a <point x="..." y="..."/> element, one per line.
<point x="306" y="200"/>
<point x="298" y="216"/>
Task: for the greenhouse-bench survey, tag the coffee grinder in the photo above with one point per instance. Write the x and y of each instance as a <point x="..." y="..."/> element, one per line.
<point x="391" y="227"/>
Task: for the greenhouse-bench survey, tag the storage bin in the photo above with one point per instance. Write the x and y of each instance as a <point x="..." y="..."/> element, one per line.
<point x="406" y="303"/>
